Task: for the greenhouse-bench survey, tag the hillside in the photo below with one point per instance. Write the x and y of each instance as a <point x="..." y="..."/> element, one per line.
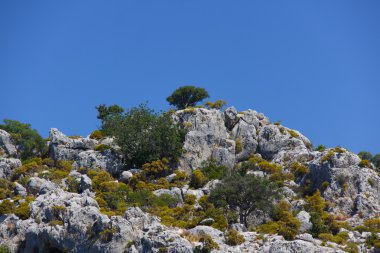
<point x="241" y="183"/>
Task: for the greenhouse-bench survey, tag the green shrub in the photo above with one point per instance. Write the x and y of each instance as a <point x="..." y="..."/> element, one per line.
<point x="7" y="207"/>
<point x="365" y="163"/>
<point x="97" y="135"/>
<point x="218" y="104"/>
<point x="284" y="223"/>
<point x="233" y="238"/>
<point x="213" y="170"/>
<point x="54" y="223"/>
<point x="156" y="169"/>
<point x="373" y="225"/>
<point x="320" y="148"/>
<point x="298" y="169"/>
<point x="293" y="133"/>
<point x="5" y="188"/>
<point x="340" y="238"/>
<point x="23" y="211"/>
<point x="28" y="141"/>
<point x="72" y="184"/>
<point x="328" y="157"/>
<point x="198" y="179"/>
<point x="238" y="146"/>
<point x="4" y="249"/>
<point x="101" y="147"/>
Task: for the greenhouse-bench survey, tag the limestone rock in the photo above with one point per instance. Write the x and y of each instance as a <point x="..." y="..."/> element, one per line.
<point x="7" y="165"/>
<point x="304" y="218"/>
<point x="6" y="146"/>
<point x="206" y="138"/>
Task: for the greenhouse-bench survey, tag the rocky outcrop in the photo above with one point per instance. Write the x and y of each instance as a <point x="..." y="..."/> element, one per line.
<point x="7" y="165"/>
<point x="81" y="152"/>
<point x="7" y="149"/>
<point x="206" y="138"/>
<point x="352" y="189"/>
<point x="280" y="144"/>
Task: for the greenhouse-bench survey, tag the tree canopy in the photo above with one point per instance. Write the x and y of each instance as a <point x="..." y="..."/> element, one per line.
<point x="29" y="142"/>
<point x="244" y="194"/>
<point x="143" y="134"/>
<point x="186" y="96"/>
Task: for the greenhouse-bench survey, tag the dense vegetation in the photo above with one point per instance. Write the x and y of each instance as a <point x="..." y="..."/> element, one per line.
<point x="142" y="134"/>
<point x="188" y="96"/>
<point x="29" y="142"/>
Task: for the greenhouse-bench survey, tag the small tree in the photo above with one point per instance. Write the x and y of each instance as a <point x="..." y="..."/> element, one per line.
<point x="106" y="111"/>
<point x="143" y="135"/>
<point x="29" y="142"/>
<point x="244" y="194"/>
<point x="186" y="96"/>
<point x="364" y="155"/>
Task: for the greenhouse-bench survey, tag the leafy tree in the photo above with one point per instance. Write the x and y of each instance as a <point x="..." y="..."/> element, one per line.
<point x="29" y="142"/>
<point x="186" y="96"/>
<point x="106" y="111"/>
<point x="213" y="170"/>
<point x="364" y="155"/>
<point x="144" y="136"/>
<point x="376" y="161"/>
<point x="244" y="194"/>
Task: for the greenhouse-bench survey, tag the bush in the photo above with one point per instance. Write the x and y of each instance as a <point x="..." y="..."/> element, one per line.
<point x="144" y="136"/>
<point x="157" y="169"/>
<point x="320" y="148"/>
<point x="218" y="104"/>
<point x="101" y="147"/>
<point x="198" y="180"/>
<point x="293" y="133"/>
<point x="233" y="237"/>
<point x="365" y="163"/>
<point x="187" y="96"/>
<point x="4" y="249"/>
<point x="7" y="207"/>
<point x="28" y="141"/>
<point x="238" y="146"/>
<point x="285" y="223"/>
<point x="23" y="211"/>
<point x="373" y="225"/>
<point x="97" y="135"/>
<point x="213" y="170"/>
<point x="298" y="169"/>
<point x="5" y="188"/>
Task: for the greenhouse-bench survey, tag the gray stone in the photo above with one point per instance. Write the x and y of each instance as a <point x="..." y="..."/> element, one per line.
<point x="6" y="145"/>
<point x="304" y="218"/>
<point x="7" y="166"/>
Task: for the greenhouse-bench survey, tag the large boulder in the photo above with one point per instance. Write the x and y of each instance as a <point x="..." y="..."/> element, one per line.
<point x="7" y="148"/>
<point x="206" y="138"/>
<point x="81" y="152"/>
<point x="7" y="165"/>
<point x="280" y="144"/>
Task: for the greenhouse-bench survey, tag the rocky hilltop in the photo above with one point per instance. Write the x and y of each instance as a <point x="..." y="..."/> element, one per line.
<point x="59" y="203"/>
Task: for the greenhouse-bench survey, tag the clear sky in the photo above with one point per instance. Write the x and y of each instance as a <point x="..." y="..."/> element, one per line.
<point x="315" y="65"/>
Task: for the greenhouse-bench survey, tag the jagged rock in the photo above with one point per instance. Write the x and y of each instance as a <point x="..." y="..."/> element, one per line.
<point x="81" y="151"/>
<point x="207" y="137"/>
<point x="304" y="218"/>
<point x="230" y="117"/>
<point x="239" y="227"/>
<point x="277" y="144"/>
<point x="245" y="134"/>
<point x="84" y="182"/>
<point x="210" y="186"/>
<point x="350" y="188"/>
<point x="107" y="160"/>
<point x="38" y="185"/>
<point x="20" y="190"/>
<point x="6" y="146"/>
<point x="7" y="165"/>
<point x="207" y="221"/>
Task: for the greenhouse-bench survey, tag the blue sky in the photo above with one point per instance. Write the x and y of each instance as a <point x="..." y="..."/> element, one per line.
<point x="315" y="65"/>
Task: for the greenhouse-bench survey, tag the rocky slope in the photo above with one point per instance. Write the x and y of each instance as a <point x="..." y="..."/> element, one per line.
<point x="63" y="221"/>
